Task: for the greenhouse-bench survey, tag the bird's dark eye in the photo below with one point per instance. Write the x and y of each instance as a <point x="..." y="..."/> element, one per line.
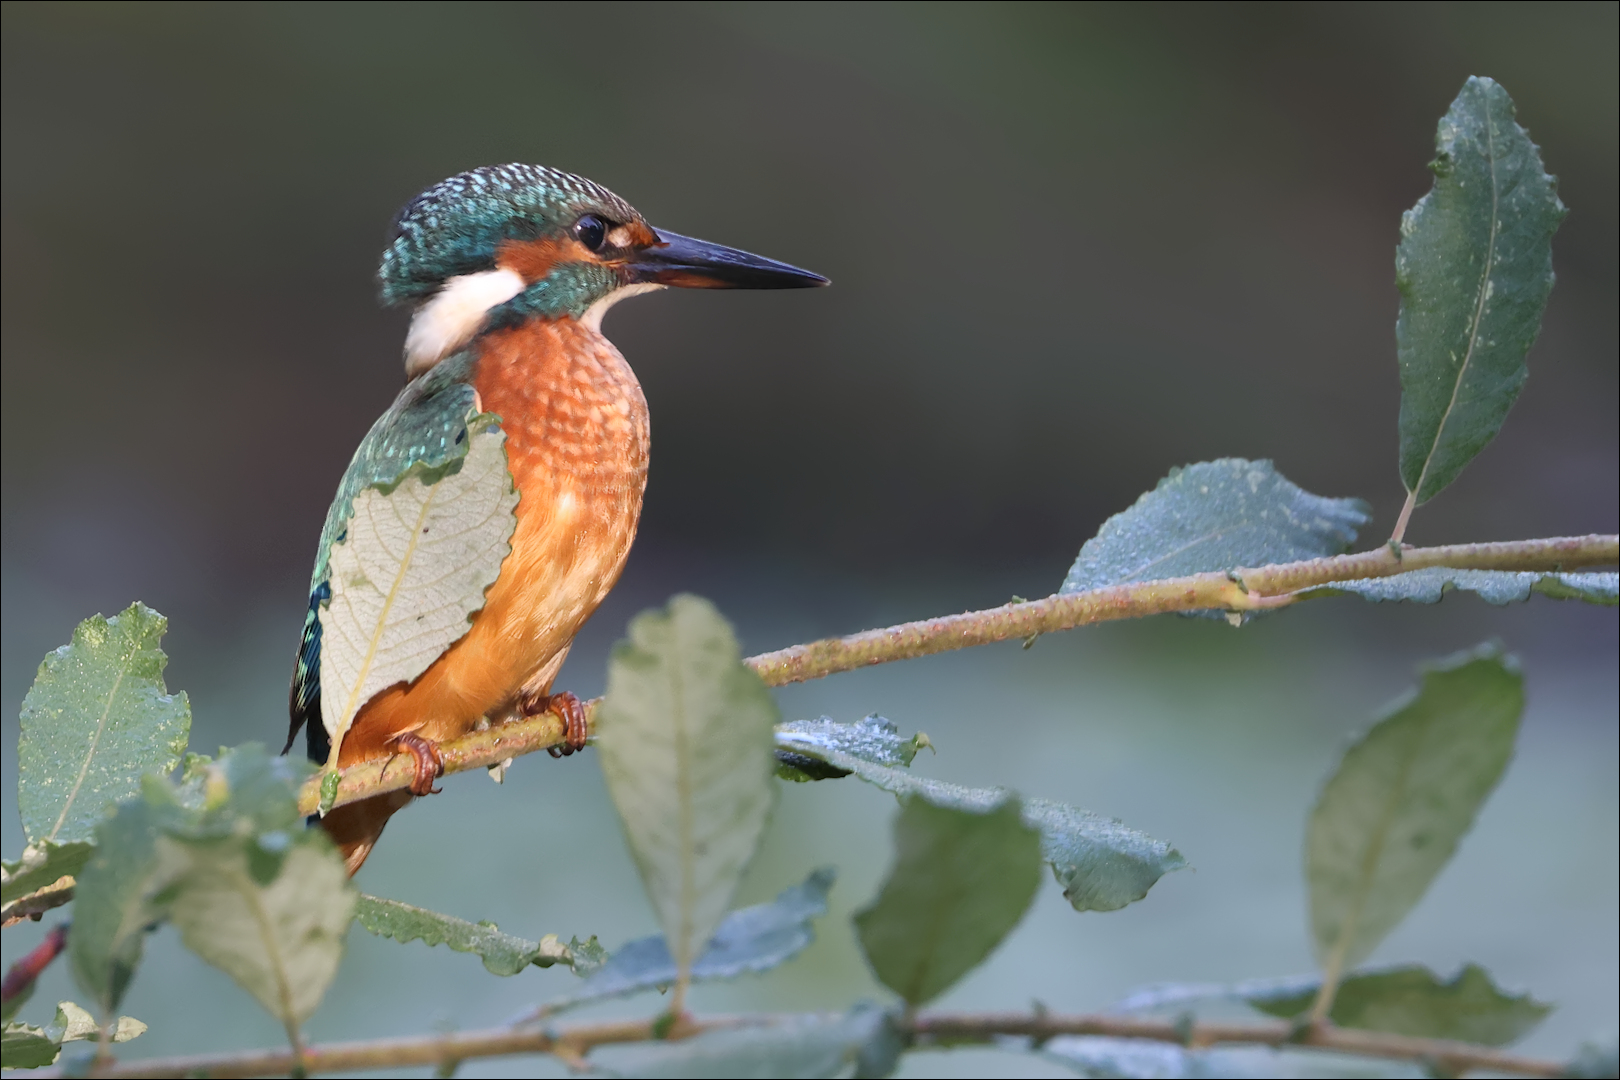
<point x="591" y="230"/>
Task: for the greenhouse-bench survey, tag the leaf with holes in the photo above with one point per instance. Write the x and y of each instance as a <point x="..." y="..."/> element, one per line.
<point x="41" y="864"/>
<point x="1101" y="863"/>
<point x="503" y="954"/>
<point x="96" y="720"/>
<point x="1215" y="515"/>
<point x="1474" y="268"/>
<point x="961" y="880"/>
<point x="1393" y="812"/>
<point x="685" y="735"/>
<point x="411" y="570"/>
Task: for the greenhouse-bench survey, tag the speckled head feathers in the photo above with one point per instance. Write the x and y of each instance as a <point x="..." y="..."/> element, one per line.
<point x="456" y="226"/>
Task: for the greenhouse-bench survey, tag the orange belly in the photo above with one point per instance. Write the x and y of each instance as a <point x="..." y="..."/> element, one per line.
<point x="577" y="442"/>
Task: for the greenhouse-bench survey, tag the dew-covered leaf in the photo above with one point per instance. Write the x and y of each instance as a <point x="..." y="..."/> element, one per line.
<point x="1101" y="863"/>
<point x="872" y="739"/>
<point x="1215" y="515"/>
<point x="41" y="864"/>
<point x="750" y="939"/>
<point x="503" y="954"/>
<point x="1492" y="586"/>
<point x="961" y="880"/>
<point x="96" y="720"/>
<point x="1413" y="1000"/>
<point x="411" y="569"/>
<point x="1103" y="1056"/>
<point x="270" y="915"/>
<point x="684" y="733"/>
<point x="859" y="1043"/>
<point x="1402" y="798"/>
<point x="1474" y="268"/>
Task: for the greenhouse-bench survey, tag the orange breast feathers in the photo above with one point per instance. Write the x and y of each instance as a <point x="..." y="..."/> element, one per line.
<point x="577" y="441"/>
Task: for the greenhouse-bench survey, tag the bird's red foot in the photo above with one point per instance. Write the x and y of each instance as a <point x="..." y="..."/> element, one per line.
<point x="570" y="711"/>
<point x="429" y="762"/>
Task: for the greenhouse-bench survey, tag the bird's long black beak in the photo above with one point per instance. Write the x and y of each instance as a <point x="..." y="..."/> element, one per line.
<point x="686" y="263"/>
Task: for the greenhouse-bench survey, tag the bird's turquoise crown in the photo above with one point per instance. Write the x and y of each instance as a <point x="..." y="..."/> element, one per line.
<point x="456" y="226"/>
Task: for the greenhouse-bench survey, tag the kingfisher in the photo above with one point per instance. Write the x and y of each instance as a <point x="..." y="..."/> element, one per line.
<point x="509" y="269"/>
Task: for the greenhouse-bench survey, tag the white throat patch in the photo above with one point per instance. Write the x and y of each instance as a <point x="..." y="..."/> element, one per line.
<point x="592" y="318"/>
<point x="455" y="314"/>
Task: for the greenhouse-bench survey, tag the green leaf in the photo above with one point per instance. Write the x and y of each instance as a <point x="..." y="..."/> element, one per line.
<point x="1474" y="268"/>
<point x="411" y="570"/>
<point x="960" y="882"/>
<point x="503" y="954"/>
<point x="41" y="864"/>
<point x="686" y="746"/>
<point x="1101" y="863"/>
<point x="1493" y="586"/>
<point x="806" y="1045"/>
<point x="271" y="916"/>
<point x="24" y="1046"/>
<point x="97" y="719"/>
<point x="116" y="900"/>
<point x="1401" y="799"/>
<point x="1413" y="1000"/>
<point x="1215" y="515"/>
<point x="251" y="890"/>
<point x="749" y="940"/>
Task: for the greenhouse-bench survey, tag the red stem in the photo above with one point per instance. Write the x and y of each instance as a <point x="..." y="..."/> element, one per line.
<point x="20" y="979"/>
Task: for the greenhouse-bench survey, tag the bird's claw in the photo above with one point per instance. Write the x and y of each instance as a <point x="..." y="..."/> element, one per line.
<point x="567" y="708"/>
<point x="429" y="762"/>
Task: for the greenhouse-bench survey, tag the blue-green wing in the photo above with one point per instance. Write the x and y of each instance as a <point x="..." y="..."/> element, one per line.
<point x="426" y="424"/>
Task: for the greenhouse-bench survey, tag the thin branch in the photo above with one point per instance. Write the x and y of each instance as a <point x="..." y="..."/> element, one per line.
<point x="1237" y="591"/>
<point x="937" y="1029"/>
<point x="390" y="1053"/>
<point x="1406" y="515"/>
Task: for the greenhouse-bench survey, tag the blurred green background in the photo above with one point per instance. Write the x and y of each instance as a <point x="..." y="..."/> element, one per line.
<point x="1071" y="247"/>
